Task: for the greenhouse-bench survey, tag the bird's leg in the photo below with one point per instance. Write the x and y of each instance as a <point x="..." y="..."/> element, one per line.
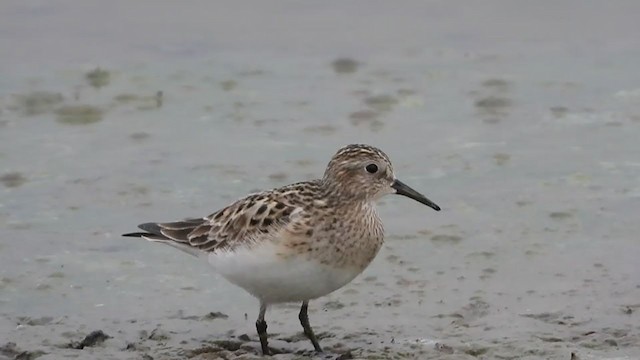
<point x="261" y="326"/>
<point x="304" y="320"/>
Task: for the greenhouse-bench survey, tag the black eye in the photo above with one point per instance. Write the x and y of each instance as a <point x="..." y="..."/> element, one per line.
<point x="372" y="168"/>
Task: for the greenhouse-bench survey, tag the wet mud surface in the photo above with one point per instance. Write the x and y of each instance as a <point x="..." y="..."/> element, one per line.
<point x="526" y="133"/>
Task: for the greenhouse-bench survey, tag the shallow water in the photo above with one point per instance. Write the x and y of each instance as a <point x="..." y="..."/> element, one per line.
<point x="521" y="121"/>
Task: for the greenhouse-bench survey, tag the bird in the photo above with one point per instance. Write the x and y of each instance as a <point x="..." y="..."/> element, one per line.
<point x="298" y="242"/>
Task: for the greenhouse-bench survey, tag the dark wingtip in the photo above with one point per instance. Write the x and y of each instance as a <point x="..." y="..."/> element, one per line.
<point x="153" y="228"/>
<point x="138" y="234"/>
<point x="150" y="228"/>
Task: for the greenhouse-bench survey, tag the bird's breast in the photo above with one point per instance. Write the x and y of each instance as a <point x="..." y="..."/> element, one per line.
<point x="350" y="242"/>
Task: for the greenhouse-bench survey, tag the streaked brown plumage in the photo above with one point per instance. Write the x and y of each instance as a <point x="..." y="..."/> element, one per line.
<point x="297" y="242"/>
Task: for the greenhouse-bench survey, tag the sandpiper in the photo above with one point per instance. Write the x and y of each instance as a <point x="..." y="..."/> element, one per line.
<point x="298" y="242"/>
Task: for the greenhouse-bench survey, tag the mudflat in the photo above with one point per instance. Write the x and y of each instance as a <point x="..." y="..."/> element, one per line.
<point x="520" y="120"/>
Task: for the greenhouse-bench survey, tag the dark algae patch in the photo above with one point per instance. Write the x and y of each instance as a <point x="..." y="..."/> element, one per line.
<point x="94" y="338"/>
<point x="442" y="239"/>
<point x="321" y="129"/>
<point x="476" y="351"/>
<point x="98" y="78"/>
<point x="215" y="315"/>
<point x="381" y="102"/>
<point x="11" y="351"/>
<point x="493" y="104"/>
<point x="559" y="111"/>
<point x="501" y="158"/>
<point x="228" y="85"/>
<point x="126" y="98"/>
<point x="497" y="84"/>
<point x="345" y="66"/>
<point x="358" y="117"/>
<point x="13" y="179"/>
<point x="79" y="114"/>
<point x="139" y="136"/>
<point x="37" y="102"/>
<point x="368" y="117"/>
<point x="560" y="215"/>
<point x="143" y="102"/>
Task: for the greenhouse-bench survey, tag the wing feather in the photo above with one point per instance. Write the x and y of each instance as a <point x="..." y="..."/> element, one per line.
<point x="257" y="217"/>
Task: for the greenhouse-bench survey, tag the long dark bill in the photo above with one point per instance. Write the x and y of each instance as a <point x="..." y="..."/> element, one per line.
<point x="406" y="190"/>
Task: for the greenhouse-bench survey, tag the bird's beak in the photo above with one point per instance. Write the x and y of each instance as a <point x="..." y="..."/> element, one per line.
<point x="404" y="189"/>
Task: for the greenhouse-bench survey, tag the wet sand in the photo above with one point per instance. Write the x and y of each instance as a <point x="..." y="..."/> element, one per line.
<point x="521" y="121"/>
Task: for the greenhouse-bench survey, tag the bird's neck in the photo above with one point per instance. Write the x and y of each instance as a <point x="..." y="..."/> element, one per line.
<point x="343" y="200"/>
<point x="339" y="195"/>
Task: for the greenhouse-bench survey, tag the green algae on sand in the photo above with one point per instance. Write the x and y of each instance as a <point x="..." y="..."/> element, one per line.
<point x="79" y="114"/>
<point x="98" y="78"/>
<point x="37" y="102"/>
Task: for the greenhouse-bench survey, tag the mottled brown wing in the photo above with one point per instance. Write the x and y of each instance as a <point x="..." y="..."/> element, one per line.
<point x="258" y="217"/>
<point x="243" y="223"/>
<point x="254" y="218"/>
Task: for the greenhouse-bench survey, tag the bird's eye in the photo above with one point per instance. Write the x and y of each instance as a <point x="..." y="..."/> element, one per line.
<point x="372" y="168"/>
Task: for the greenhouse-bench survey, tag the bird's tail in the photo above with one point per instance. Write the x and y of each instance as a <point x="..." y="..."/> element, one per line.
<point x="154" y="235"/>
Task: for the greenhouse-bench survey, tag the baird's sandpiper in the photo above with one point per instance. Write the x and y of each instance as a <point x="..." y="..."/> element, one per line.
<point x="298" y="242"/>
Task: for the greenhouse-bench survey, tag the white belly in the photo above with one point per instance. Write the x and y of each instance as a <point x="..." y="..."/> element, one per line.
<point x="273" y="279"/>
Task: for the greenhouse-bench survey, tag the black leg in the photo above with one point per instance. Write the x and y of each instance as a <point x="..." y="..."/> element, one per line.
<point x="261" y="326"/>
<point x="304" y="320"/>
